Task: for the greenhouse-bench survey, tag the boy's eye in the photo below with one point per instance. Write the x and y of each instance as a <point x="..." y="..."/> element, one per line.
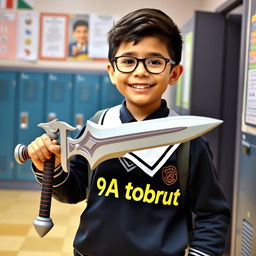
<point x="155" y="61"/>
<point x="127" y="61"/>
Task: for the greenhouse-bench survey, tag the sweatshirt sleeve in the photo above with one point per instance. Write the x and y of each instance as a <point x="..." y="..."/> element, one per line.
<point x="69" y="187"/>
<point x="212" y="213"/>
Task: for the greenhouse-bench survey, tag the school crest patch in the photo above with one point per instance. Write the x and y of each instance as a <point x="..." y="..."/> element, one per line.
<point x="169" y="175"/>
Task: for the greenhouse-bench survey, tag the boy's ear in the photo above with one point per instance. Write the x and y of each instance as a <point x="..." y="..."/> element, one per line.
<point x="175" y="74"/>
<point x="111" y="73"/>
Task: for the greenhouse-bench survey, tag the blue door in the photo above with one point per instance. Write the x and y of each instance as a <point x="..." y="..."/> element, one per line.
<point x="7" y="131"/>
<point x="58" y="97"/>
<point x="109" y="95"/>
<point x="86" y="98"/>
<point x="30" y="113"/>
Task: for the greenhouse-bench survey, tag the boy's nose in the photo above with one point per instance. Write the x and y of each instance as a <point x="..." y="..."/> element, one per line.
<point x="140" y="69"/>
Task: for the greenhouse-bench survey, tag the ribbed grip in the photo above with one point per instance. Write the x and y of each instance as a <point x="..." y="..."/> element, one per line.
<point x="47" y="182"/>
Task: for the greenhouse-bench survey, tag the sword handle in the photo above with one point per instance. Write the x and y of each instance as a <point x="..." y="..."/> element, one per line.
<point x="47" y="183"/>
<point x="43" y="223"/>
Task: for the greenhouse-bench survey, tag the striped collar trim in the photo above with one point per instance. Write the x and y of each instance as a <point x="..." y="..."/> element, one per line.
<point x="148" y="160"/>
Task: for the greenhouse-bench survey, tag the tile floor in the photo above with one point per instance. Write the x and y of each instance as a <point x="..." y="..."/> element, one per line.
<point x="18" y="209"/>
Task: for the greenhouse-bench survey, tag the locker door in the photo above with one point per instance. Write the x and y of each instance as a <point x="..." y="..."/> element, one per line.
<point x="109" y="96"/>
<point x="58" y="97"/>
<point x="86" y="98"/>
<point x="7" y="114"/>
<point x="31" y="112"/>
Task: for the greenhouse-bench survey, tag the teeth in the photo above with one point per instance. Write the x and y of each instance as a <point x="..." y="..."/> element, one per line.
<point x="140" y="86"/>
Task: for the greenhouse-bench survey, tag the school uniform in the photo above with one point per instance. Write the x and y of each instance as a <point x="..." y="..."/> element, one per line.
<point x="135" y="205"/>
<point x="83" y="49"/>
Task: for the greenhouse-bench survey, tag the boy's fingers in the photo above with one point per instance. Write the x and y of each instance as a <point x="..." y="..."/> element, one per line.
<point x="42" y="147"/>
<point x="46" y="140"/>
<point x="55" y="149"/>
<point x="51" y="145"/>
<point x="36" y="152"/>
<point x="44" y="143"/>
<point x="55" y="142"/>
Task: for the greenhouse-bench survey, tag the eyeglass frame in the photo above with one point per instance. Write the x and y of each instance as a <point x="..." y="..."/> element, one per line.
<point x="143" y="60"/>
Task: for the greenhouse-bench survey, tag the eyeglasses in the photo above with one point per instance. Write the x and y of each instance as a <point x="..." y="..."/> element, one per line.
<point x="154" y="65"/>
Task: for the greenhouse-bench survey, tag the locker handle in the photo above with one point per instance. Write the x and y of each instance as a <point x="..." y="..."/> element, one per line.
<point x="79" y="120"/>
<point x="24" y="120"/>
<point x="246" y="147"/>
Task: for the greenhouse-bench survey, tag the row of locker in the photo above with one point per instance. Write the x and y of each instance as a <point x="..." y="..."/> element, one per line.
<point x="29" y="98"/>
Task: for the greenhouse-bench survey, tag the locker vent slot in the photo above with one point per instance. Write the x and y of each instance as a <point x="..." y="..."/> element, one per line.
<point x="247" y="239"/>
<point x="84" y="93"/>
<point x="58" y="91"/>
<point x="3" y="166"/>
<point x="30" y="91"/>
<point x="3" y="90"/>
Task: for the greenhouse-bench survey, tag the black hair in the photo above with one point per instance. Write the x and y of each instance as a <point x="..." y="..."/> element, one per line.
<point x="146" y="22"/>
<point x="80" y="23"/>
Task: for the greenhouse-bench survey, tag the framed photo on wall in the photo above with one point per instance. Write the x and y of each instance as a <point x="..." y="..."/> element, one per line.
<point x="78" y="37"/>
<point x="53" y="36"/>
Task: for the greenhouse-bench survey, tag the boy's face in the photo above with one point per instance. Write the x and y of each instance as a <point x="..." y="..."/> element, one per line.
<point x="143" y="90"/>
<point x="81" y="34"/>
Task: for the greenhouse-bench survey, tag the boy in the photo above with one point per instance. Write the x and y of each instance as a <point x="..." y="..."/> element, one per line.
<point x="135" y="208"/>
<point x="80" y="33"/>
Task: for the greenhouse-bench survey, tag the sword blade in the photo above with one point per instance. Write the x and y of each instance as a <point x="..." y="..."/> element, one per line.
<point x="99" y="143"/>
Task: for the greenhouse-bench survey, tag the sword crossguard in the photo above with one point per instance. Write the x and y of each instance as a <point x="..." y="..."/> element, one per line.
<point x="51" y="128"/>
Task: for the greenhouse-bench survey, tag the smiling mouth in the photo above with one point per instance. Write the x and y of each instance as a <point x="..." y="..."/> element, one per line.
<point x="140" y="86"/>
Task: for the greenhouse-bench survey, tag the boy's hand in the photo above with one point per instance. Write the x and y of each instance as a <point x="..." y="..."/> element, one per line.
<point x="75" y="51"/>
<point x="40" y="150"/>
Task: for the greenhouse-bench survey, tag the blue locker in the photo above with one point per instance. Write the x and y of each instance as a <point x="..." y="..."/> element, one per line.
<point x="86" y="98"/>
<point x="7" y="131"/>
<point x="30" y="113"/>
<point x="58" y="97"/>
<point x="109" y="95"/>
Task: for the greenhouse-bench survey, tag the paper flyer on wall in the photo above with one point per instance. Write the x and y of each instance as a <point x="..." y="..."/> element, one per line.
<point x="53" y="37"/>
<point x="27" y="44"/>
<point x="8" y="26"/>
<point x="99" y="27"/>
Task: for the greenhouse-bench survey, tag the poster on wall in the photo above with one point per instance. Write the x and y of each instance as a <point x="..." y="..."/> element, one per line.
<point x="8" y="22"/>
<point x="250" y="111"/>
<point x="188" y="52"/>
<point x="6" y="4"/>
<point x="28" y="27"/>
<point x="53" y="36"/>
<point x="78" y="37"/>
<point x="99" y="27"/>
<point x="25" y="4"/>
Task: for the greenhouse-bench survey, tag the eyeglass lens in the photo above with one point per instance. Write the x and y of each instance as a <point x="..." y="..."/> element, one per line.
<point x="152" y="64"/>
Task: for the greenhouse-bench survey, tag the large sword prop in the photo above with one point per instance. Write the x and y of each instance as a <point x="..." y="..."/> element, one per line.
<point x="99" y="143"/>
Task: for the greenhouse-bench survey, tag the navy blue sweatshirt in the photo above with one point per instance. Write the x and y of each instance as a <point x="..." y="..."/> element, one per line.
<point x="130" y="213"/>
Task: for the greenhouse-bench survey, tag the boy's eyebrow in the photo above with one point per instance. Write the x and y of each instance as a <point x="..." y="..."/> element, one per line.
<point x="149" y="54"/>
